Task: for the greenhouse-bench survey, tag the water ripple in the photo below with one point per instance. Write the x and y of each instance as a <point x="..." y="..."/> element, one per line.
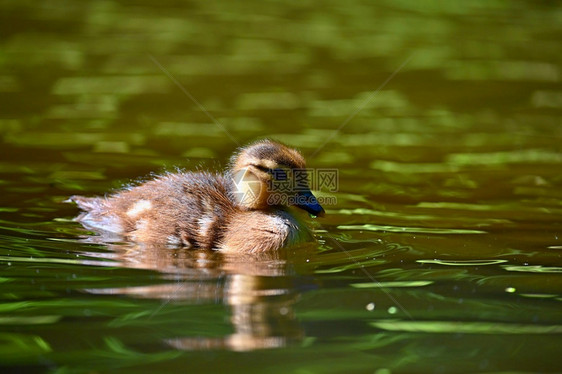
<point x="418" y="230"/>
<point x="533" y="268"/>
<point x="465" y="327"/>
<point x="462" y="262"/>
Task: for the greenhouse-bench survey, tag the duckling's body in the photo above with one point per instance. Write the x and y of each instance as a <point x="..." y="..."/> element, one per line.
<point x="230" y="212"/>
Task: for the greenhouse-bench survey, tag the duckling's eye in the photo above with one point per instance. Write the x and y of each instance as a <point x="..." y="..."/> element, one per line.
<point x="277" y="174"/>
<point x="263" y="168"/>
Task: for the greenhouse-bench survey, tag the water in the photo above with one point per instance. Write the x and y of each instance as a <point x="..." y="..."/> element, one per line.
<point x="442" y="253"/>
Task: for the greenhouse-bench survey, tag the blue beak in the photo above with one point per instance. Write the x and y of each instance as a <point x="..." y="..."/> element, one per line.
<point x="307" y="201"/>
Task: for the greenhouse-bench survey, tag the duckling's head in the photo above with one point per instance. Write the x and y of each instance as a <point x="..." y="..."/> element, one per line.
<point x="267" y="173"/>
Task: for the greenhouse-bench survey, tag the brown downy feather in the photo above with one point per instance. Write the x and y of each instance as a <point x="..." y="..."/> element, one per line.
<point x="204" y="210"/>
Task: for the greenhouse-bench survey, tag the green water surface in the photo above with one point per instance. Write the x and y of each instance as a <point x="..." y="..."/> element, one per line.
<point x="441" y="251"/>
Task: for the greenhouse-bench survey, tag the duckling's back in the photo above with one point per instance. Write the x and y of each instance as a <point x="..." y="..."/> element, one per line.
<point x="182" y="209"/>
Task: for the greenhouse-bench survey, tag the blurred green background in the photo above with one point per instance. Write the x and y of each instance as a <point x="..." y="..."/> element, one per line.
<point x="443" y="118"/>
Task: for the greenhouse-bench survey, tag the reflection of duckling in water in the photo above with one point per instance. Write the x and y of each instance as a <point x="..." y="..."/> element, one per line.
<point x="257" y="292"/>
<point x="241" y="211"/>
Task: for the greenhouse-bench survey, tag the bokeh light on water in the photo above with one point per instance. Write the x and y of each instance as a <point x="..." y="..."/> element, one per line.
<point x="442" y="254"/>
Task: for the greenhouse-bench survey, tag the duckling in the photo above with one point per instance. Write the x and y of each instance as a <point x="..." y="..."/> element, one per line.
<point x="244" y="210"/>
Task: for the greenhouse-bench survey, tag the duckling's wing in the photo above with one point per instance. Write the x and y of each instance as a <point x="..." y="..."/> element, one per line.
<point x="96" y="214"/>
<point x="87" y="203"/>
